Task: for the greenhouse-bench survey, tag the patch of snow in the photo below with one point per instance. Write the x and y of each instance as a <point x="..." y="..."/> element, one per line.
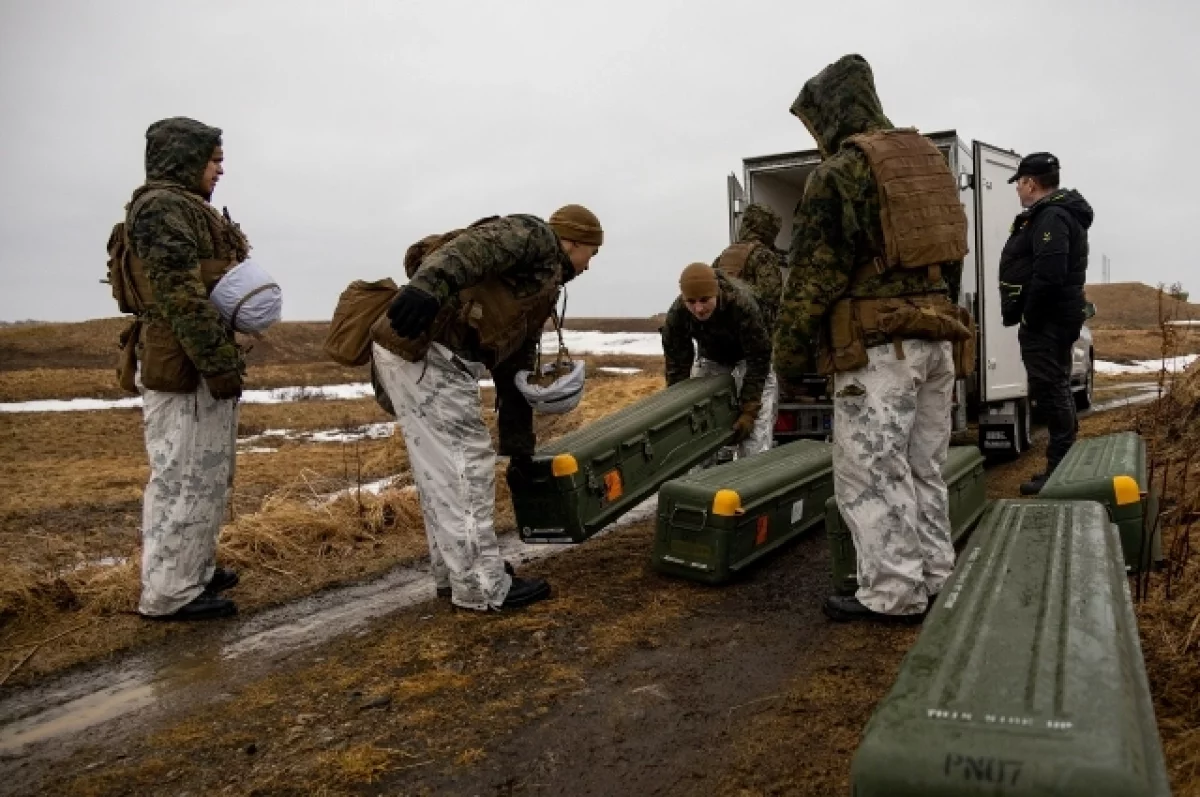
<point x="582" y="341"/>
<point x="1173" y="365"/>
<point x="104" y="561"/>
<point x="257" y="450"/>
<point x="71" y="405"/>
<point x="613" y="369"/>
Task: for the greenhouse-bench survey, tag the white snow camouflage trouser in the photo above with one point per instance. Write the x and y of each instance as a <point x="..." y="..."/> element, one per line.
<point x="454" y="466"/>
<point x="191" y="442"/>
<point x="759" y="439"/>
<point x="891" y="432"/>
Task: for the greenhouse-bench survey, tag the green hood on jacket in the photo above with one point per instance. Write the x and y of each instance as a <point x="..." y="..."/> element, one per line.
<point x="840" y="102"/>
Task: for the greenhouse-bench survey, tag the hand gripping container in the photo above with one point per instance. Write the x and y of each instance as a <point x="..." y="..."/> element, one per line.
<point x="963" y="473"/>
<point x="714" y="523"/>
<point x="1112" y="470"/>
<point x="587" y="479"/>
<point x="1027" y="678"/>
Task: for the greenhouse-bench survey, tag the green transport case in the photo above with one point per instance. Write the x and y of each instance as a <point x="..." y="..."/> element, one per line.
<point x="587" y="479"/>
<point x="714" y="523"/>
<point x="963" y="473"/>
<point x="1112" y="470"/>
<point x="1027" y="678"/>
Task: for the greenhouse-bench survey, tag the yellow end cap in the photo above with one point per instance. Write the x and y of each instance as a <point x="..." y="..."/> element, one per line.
<point x="1126" y="490"/>
<point x="726" y="503"/>
<point x="564" y="465"/>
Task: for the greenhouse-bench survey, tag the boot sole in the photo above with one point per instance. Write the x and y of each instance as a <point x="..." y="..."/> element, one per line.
<point x="195" y="617"/>
<point x="230" y="584"/>
<point x="533" y="597"/>
<point x="874" y="617"/>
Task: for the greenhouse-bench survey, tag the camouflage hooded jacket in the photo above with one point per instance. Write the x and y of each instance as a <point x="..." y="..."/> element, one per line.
<point x="734" y="332"/>
<point x="763" y="270"/>
<point x="527" y="255"/>
<point x="172" y="228"/>
<point x="837" y="227"/>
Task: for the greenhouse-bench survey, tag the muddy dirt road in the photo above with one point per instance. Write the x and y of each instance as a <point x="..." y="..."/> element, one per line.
<point x="626" y="682"/>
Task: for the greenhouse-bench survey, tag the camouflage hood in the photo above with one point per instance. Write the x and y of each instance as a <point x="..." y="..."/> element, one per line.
<point x="840" y="102"/>
<point x="760" y="223"/>
<point x="178" y="150"/>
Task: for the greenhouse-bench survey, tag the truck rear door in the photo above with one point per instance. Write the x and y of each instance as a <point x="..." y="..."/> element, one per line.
<point x="737" y="203"/>
<point x="1001" y="372"/>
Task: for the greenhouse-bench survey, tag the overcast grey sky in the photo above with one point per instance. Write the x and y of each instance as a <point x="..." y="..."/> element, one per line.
<point x="354" y="128"/>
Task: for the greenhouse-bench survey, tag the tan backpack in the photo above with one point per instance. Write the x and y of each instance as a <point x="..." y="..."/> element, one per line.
<point x="358" y="308"/>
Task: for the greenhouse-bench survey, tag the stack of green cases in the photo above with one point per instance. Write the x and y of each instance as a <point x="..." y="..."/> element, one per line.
<point x="1112" y="470"/>
<point x="963" y="474"/>
<point x="587" y="479"/>
<point x="1027" y="678"/>
<point x="716" y="522"/>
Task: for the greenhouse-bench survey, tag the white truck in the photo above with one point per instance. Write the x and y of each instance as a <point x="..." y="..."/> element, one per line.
<point x="997" y="394"/>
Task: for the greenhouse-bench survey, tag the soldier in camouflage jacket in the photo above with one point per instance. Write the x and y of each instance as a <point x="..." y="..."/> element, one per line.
<point x="720" y="316"/>
<point x="435" y="390"/>
<point x="891" y="417"/>
<point x="762" y="268"/>
<point x="190" y="431"/>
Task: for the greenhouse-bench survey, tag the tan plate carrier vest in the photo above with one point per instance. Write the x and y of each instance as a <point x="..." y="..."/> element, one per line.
<point x="500" y="320"/>
<point x="165" y="365"/>
<point x="733" y="260"/>
<point x="924" y="226"/>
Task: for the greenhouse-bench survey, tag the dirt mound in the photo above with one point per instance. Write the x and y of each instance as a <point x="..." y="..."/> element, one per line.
<point x="1135" y="305"/>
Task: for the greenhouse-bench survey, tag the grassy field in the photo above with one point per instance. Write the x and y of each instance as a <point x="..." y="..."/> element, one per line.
<point x="70" y="514"/>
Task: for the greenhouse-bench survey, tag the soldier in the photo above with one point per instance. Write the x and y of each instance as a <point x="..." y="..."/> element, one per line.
<point x="722" y="316"/>
<point x="1043" y="269"/>
<point x="880" y="302"/>
<point x="190" y="367"/>
<point x="755" y="260"/>
<point x="475" y="303"/>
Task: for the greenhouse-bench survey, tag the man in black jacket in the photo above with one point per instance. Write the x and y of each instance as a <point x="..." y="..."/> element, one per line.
<point x="1042" y="273"/>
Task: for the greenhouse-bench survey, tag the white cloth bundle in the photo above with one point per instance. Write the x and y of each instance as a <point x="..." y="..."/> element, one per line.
<point x="248" y="298"/>
<point x="561" y="395"/>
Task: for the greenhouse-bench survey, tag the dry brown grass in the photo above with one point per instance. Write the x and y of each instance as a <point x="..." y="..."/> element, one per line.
<point x="1134" y="305"/>
<point x="457" y="682"/>
<point x="1127" y="345"/>
<point x="75" y="497"/>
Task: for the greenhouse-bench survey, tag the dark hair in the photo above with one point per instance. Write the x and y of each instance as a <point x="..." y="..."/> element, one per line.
<point x="1047" y="182"/>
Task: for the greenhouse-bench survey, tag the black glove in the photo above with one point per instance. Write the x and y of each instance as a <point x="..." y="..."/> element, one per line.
<point x="225" y="385"/>
<point x="412" y="312"/>
<point x="520" y="472"/>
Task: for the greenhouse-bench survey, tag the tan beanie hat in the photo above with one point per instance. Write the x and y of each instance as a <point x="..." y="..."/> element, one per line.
<point x="698" y="281"/>
<point x="577" y="223"/>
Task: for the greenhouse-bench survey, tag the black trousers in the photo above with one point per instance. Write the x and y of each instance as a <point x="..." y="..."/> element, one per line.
<point x="1046" y="352"/>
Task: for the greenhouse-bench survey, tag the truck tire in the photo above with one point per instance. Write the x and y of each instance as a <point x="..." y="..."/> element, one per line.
<point x="1083" y="397"/>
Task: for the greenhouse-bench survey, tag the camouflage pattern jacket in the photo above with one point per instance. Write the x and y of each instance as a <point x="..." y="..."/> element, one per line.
<point x="172" y="228"/>
<point x="734" y="332"/>
<point x="763" y="270"/>
<point x="837" y="229"/>
<point x="527" y="255"/>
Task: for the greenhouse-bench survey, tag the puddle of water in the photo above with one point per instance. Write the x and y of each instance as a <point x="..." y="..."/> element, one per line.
<point x="62" y="710"/>
<point x="1145" y="397"/>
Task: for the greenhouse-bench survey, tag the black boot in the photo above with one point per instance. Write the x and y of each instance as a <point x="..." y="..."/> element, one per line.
<point x="445" y="592"/>
<point x="525" y="591"/>
<point x="845" y="608"/>
<point x="1037" y="481"/>
<point x="205" y="606"/>
<point x="222" y="580"/>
